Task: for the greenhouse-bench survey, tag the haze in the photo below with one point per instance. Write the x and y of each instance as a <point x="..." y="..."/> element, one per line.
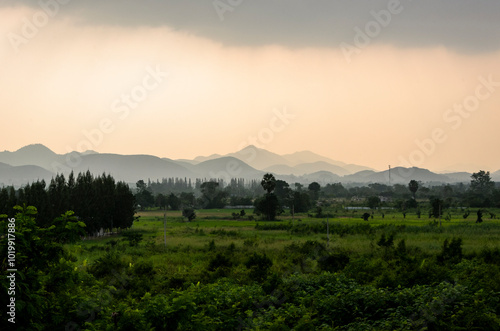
<point x="274" y="75"/>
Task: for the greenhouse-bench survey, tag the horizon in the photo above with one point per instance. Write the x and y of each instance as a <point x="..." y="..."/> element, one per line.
<point x="376" y="84"/>
<point x="471" y="168"/>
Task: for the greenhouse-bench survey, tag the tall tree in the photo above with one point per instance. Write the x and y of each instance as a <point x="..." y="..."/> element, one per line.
<point x="123" y="215"/>
<point x="481" y="189"/>
<point x="413" y="187"/>
<point x="283" y="192"/>
<point x="175" y="202"/>
<point x="314" y="189"/>
<point x="268" y="206"/>
<point x="268" y="183"/>
<point x="212" y="196"/>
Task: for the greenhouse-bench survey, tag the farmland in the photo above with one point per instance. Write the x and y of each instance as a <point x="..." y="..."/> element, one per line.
<point x="217" y="272"/>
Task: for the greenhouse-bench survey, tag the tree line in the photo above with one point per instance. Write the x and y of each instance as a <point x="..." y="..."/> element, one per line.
<point x="273" y="196"/>
<point x="98" y="201"/>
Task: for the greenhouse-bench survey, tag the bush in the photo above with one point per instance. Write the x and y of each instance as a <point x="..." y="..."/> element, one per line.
<point x="334" y="262"/>
<point x="189" y="213"/>
<point x="383" y="242"/>
<point x="451" y="251"/>
<point x="259" y="266"/>
<point x="133" y="237"/>
<point x="219" y="261"/>
<point x="111" y="263"/>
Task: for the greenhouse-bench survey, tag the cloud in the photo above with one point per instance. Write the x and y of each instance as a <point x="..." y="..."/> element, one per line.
<point x="461" y="25"/>
<point x="64" y="81"/>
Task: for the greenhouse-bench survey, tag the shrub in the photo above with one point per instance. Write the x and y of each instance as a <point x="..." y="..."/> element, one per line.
<point x="109" y="264"/>
<point x="259" y="266"/>
<point x="219" y="261"/>
<point x="189" y="213"/>
<point x="334" y="262"/>
<point x="133" y="237"/>
<point x="451" y="251"/>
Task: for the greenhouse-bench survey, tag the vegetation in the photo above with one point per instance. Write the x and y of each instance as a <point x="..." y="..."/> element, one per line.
<point x="332" y="267"/>
<point x="99" y="202"/>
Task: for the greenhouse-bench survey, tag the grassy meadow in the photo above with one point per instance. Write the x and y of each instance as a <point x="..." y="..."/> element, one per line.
<point x="218" y="226"/>
<point x="221" y="273"/>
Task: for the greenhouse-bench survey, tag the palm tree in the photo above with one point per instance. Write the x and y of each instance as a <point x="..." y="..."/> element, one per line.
<point x="413" y="186"/>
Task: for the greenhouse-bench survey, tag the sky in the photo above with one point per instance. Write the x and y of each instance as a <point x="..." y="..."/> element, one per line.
<point x="377" y="83"/>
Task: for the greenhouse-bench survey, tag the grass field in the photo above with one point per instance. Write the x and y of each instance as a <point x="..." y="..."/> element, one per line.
<point x="217" y="271"/>
<point x="219" y="226"/>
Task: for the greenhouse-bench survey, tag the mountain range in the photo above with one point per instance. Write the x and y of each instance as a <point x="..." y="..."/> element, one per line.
<point x="34" y="162"/>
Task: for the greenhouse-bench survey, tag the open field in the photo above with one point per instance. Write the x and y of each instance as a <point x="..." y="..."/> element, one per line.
<point x="300" y="273"/>
<point x="347" y="233"/>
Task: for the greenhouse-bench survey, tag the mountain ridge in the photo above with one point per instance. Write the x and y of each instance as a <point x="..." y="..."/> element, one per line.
<point x="37" y="161"/>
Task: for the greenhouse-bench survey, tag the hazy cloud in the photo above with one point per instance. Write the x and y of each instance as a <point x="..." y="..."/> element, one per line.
<point x="462" y="25"/>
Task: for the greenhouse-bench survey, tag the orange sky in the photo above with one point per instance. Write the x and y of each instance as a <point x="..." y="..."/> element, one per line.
<point x="394" y="105"/>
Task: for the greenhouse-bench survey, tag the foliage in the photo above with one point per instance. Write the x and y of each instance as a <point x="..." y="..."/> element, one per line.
<point x="373" y="202"/>
<point x="413" y="187"/>
<point x="45" y="272"/>
<point x="268" y="183"/>
<point x="133" y="237"/>
<point x="437" y="207"/>
<point x="451" y="251"/>
<point x="382" y="275"/>
<point x="189" y="213"/>
<point x="259" y="266"/>
<point x="212" y="195"/>
<point x="268" y="206"/>
<point x="97" y="201"/>
<point x="479" y="216"/>
<point x="481" y="189"/>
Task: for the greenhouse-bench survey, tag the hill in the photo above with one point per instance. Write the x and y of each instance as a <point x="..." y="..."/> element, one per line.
<point x="22" y="175"/>
<point x="39" y="162"/>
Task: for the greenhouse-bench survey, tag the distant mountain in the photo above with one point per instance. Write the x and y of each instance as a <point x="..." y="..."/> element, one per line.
<point x="258" y="158"/>
<point x="400" y="175"/>
<point x="131" y="168"/>
<point x="307" y="168"/>
<point x="309" y="157"/>
<point x="22" y="175"/>
<point x="199" y="159"/>
<point x="298" y="163"/>
<point x="282" y="169"/>
<point x="36" y="154"/>
<point x="496" y="176"/>
<point x="459" y="177"/>
<point x="38" y="162"/>
<point x="462" y="167"/>
<point x="322" y="177"/>
<point x="226" y="168"/>
<point x="306" y="157"/>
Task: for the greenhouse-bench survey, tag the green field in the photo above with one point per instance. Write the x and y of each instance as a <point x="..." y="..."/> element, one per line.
<point x="423" y="234"/>
<point x="221" y="273"/>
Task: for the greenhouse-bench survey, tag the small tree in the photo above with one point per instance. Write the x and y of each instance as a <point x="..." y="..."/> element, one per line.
<point x="479" y="216"/>
<point x="189" y="213"/>
<point x="373" y="202"/>
<point x="437" y="207"/>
